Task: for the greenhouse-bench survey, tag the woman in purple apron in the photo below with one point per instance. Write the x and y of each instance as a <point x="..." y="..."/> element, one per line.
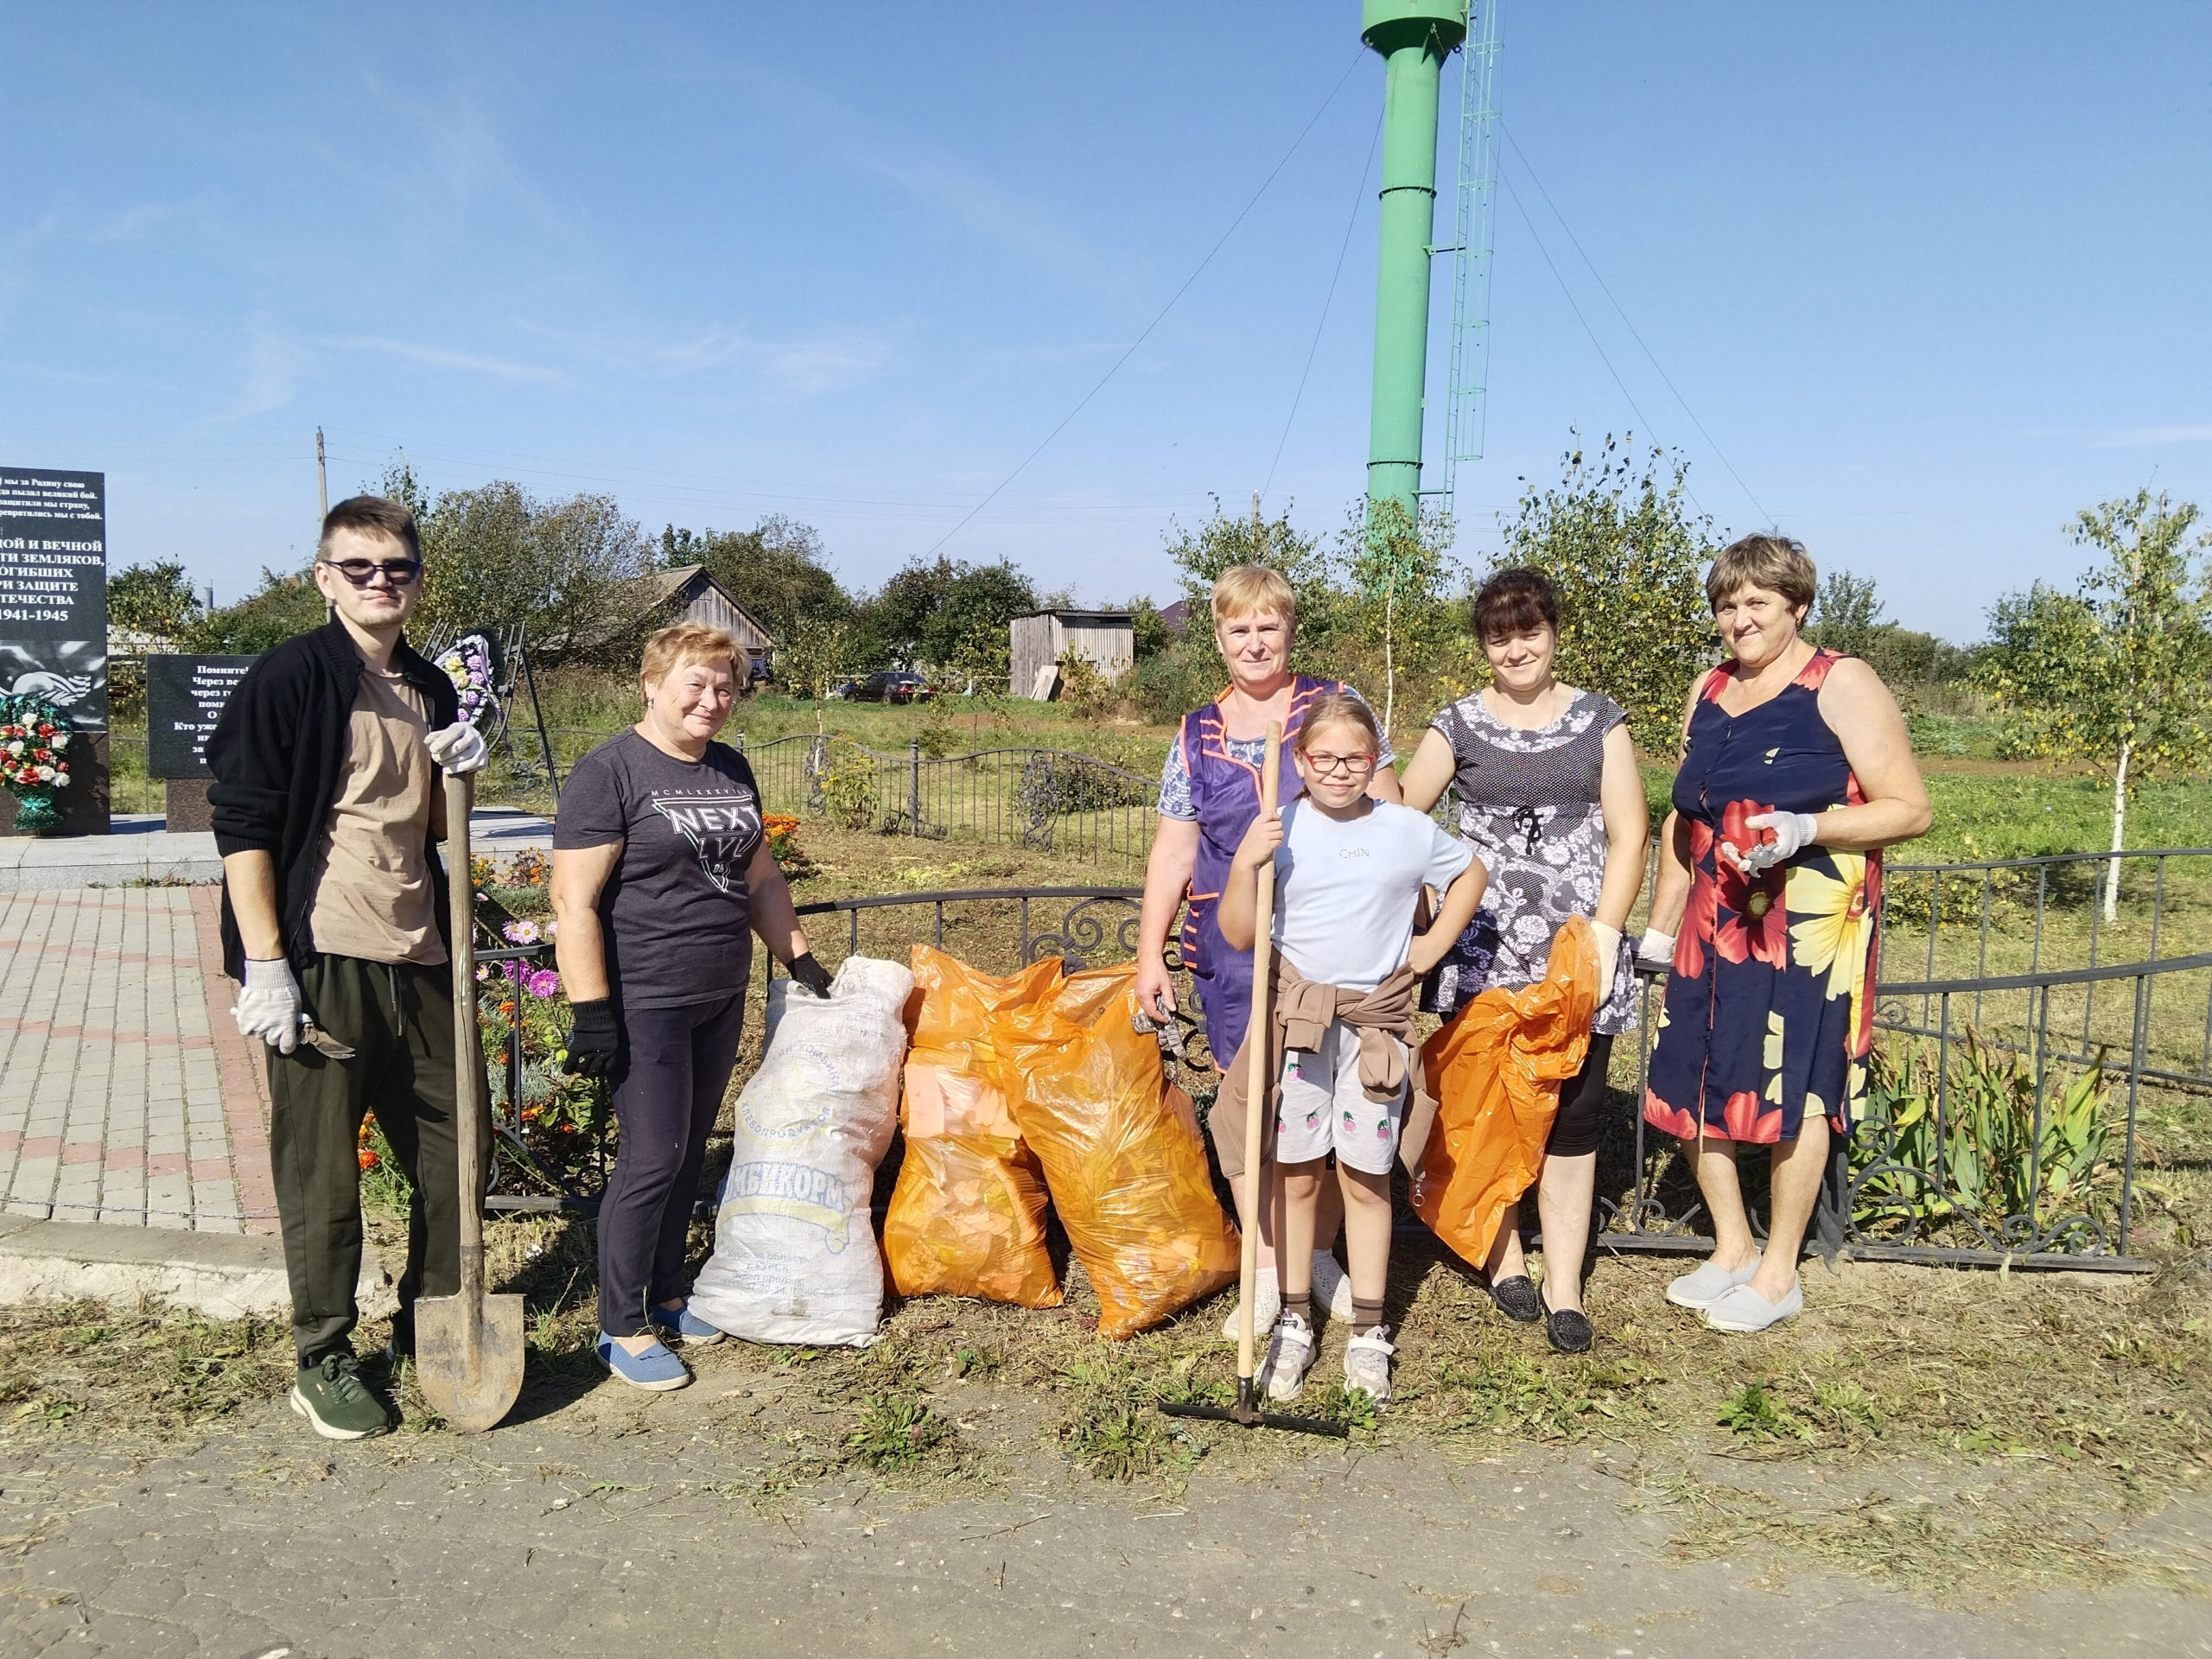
<point x="1209" y="795"/>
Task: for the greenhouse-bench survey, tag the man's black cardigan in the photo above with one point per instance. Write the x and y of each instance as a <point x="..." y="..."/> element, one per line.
<point x="278" y="754"/>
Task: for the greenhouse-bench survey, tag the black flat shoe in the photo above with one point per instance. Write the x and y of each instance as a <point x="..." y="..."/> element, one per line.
<point x="1517" y="1300"/>
<point x="1570" y="1330"/>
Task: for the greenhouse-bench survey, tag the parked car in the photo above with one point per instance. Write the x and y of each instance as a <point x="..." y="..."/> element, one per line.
<point x="893" y="685"/>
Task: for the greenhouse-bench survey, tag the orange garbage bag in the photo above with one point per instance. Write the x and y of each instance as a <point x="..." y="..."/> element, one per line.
<point x="1495" y="1071"/>
<point x="1120" y="1149"/>
<point x="966" y="1217"/>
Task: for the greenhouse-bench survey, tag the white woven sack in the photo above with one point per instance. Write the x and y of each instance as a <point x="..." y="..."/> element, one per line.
<point x="795" y="1255"/>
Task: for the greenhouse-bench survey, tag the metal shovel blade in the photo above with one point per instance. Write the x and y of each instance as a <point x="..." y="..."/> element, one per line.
<point x="467" y="1347"/>
<point x="471" y="1390"/>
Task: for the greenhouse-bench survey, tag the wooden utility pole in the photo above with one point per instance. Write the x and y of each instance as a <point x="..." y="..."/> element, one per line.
<point x="321" y="483"/>
<point x="1259" y="530"/>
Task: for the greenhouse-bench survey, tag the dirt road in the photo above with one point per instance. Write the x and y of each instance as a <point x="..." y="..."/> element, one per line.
<point x="616" y="1525"/>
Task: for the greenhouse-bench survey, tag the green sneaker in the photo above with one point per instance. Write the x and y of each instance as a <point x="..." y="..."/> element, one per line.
<point x="332" y="1397"/>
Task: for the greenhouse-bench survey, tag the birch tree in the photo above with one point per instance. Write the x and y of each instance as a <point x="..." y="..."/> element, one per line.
<point x="2117" y="674"/>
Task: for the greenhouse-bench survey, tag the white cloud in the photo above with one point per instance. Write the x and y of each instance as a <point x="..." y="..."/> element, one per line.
<point x="438" y="357"/>
<point x="2136" y="437"/>
<point x="833" y="363"/>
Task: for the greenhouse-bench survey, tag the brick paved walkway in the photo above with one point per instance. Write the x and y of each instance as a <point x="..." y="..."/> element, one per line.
<point x="126" y="1094"/>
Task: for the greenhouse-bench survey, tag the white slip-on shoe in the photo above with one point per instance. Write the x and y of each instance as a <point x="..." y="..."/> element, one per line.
<point x="1708" y="1284"/>
<point x="1744" y="1311"/>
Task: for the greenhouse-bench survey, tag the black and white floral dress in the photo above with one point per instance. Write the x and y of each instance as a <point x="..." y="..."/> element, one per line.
<point x="1529" y="802"/>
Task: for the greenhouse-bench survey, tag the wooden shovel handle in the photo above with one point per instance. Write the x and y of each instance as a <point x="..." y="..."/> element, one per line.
<point x="469" y="1106"/>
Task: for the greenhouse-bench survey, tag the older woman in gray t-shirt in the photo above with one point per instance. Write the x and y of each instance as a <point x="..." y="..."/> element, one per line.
<point x="661" y="873"/>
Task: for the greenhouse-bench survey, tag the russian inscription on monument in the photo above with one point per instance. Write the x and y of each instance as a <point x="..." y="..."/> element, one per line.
<point x="53" y="621"/>
<point x="184" y="698"/>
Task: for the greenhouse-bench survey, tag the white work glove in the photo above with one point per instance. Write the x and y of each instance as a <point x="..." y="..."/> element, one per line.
<point x="1793" y="833"/>
<point x="459" y="748"/>
<point x="269" y="1005"/>
<point x="1609" y="958"/>
<point x="1656" y="951"/>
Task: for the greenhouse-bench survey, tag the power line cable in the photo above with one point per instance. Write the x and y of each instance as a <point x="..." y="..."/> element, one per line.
<point x="1241" y="215"/>
<point x="1718" y="454"/>
<point x="1358" y="200"/>
<point x="1506" y="179"/>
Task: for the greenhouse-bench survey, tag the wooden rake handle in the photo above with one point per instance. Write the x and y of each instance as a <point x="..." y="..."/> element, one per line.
<point x="1255" y="1085"/>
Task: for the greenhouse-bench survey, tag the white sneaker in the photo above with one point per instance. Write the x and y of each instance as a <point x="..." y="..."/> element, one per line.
<point x="1332" y="1287"/>
<point x="1267" y="1307"/>
<point x="1366" y="1364"/>
<point x="1290" y="1356"/>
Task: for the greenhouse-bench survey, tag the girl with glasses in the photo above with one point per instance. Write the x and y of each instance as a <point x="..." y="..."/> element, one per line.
<point x="1349" y="875"/>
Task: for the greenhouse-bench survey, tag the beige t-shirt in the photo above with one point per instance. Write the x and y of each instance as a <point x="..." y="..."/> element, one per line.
<point x="373" y="898"/>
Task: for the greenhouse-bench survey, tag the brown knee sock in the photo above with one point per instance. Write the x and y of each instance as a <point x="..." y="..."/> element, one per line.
<point x="1302" y="1304"/>
<point x="1366" y="1316"/>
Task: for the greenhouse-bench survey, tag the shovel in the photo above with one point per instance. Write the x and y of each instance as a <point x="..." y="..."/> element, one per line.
<point x="467" y="1347"/>
<point x="1246" y="1413"/>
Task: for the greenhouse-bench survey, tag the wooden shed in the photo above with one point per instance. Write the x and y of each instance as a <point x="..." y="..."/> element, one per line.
<point x="687" y="594"/>
<point x="1041" y="639"/>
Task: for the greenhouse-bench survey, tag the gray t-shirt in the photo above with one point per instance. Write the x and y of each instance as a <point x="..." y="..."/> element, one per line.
<point x="675" y="913"/>
<point x="1345" y="891"/>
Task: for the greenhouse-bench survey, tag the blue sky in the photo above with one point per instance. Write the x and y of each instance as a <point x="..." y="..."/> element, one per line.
<point x="1928" y="277"/>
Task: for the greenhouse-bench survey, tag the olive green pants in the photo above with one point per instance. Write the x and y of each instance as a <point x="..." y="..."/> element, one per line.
<point x="398" y="1017"/>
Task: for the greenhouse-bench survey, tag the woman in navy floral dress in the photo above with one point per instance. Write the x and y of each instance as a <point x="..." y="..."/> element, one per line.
<point x="1796" y="771"/>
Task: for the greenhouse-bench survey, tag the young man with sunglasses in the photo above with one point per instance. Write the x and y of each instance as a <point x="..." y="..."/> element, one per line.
<point x="326" y="798"/>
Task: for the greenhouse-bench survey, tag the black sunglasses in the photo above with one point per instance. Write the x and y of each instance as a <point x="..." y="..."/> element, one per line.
<point x="398" y="572"/>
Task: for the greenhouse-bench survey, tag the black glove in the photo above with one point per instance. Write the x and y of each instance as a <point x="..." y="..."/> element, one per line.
<point x="593" y="1039"/>
<point x="811" y="974"/>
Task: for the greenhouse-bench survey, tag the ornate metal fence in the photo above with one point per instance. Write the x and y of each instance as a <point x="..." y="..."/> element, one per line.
<point x="1986" y="1140"/>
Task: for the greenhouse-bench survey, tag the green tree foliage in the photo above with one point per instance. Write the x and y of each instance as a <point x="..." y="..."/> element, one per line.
<point x="947" y="615"/>
<point x="567" y="571"/>
<point x="2119" y="673"/>
<point x="1397" y="575"/>
<point x="1148" y="632"/>
<point x="1628" y="559"/>
<point x="1223" y="543"/>
<point x="1847" y="616"/>
<point x="284" y="604"/>
<point x="776" y="570"/>
<point x="152" y="599"/>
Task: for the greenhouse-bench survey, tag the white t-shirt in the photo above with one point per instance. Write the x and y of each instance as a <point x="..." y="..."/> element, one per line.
<point x="1345" y="891"/>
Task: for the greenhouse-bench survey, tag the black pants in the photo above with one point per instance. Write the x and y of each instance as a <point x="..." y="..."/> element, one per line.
<point x="1574" y="1131"/>
<point x="398" y="1020"/>
<point x="668" y="1091"/>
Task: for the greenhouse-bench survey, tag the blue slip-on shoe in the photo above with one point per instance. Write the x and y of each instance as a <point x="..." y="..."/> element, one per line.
<point x="681" y="1325"/>
<point x="655" y="1369"/>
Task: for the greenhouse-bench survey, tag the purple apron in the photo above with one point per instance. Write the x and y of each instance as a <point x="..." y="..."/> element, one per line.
<point x="1225" y="794"/>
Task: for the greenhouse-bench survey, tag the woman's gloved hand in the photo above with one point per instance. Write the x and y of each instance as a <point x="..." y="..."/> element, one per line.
<point x="1793" y="833"/>
<point x="594" y="1040"/>
<point x="1609" y="958"/>
<point x="811" y="974"/>
<point x="1656" y="951"/>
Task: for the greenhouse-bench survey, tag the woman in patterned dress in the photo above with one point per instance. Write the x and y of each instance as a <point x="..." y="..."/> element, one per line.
<point x="1209" y="795"/>
<point x="1796" y="772"/>
<point x="1548" y="795"/>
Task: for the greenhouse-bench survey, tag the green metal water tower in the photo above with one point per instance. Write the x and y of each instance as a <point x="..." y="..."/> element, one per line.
<point x="1414" y="38"/>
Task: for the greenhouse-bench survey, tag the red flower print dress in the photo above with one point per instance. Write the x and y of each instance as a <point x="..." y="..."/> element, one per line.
<point x="1769" y="1012"/>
